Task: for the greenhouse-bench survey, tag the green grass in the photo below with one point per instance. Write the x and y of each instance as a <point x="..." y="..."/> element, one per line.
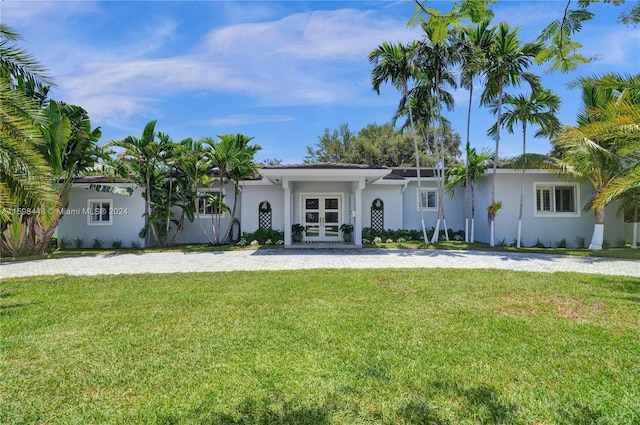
<point x="320" y="347"/>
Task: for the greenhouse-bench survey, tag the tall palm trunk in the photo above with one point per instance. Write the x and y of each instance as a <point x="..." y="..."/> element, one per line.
<point x="218" y="221"/>
<point x="492" y="217"/>
<point x="168" y="220"/>
<point x="472" y="238"/>
<point x="524" y="153"/>
<point x="634" y="241"/>
<point x="598" y="230"/>
<point x="236" y="191"/>
<point x="417" y="150"/>
<point x="152" y="228"/>
<point x="466" y="165"/>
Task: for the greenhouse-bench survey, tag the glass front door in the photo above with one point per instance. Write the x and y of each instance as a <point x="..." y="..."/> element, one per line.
<point x="322" y="217"/>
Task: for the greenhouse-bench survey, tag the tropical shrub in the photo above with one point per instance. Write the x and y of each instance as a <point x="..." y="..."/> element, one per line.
<point x="262" y="236"/>
<point x="97" y="243"/>
<point x="78" y="243"/>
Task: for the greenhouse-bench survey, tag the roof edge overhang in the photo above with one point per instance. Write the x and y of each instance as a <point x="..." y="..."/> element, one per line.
<point x="369" y="175"/>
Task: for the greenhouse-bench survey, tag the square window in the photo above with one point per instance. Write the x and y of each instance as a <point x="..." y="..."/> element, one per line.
<point x="207" y="202"/>
<point x="556" y="200"/>
<point x="429" y="199"/>
<point x="99" y="212"/>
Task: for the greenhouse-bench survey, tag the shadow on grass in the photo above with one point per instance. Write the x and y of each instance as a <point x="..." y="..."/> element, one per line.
<point x="251" y="411"/>
<point x="481" y="404"/>
<point x="580" y="414"/>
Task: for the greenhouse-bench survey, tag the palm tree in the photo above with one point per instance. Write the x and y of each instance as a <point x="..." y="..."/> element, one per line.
<point x="232" y="156"/>
<point x="475" y="40"/>
<point x="506" y="63"/>
<point x="23" y="171"/>
<point x="604" y="148"/>
<point x="397" y="64"/>
<point x="70" y="148"/>
<point x="539" y="108"/>
<point x="468" y="175"/>
<point x="244" y="168"/>
<point x="627" y="107"/>
<point x="436" y="60"/>
<point x="141" y="156"/>
<point x="192" y="159"/>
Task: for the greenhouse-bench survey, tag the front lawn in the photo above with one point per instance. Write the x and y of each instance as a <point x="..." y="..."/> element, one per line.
<point x="321" y="346"/>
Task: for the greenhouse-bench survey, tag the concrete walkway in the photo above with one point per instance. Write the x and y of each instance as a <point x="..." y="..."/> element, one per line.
<point x="281" y="259"/>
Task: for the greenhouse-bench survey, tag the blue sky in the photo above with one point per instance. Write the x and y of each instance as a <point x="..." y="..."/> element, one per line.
<point x="280" y="71"/>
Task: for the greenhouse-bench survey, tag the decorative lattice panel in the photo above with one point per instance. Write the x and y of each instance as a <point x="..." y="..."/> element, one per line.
<point x="377" y="215"/>
<point x="264" y="215"/>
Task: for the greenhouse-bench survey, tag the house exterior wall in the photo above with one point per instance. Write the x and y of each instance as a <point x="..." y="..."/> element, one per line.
<point x="252" y="196"/>
<point x="391" y="195"/>
<point x="628" y="232"/>
<point x="193" y="233"/>
<point x="400" y="210"/>
<point x="453" y="208"/>
<point x="549" y="229"/>
<point x="126" y="218"/>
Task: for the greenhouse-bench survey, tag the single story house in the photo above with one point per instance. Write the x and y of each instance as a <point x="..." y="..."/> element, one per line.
<point x="323" y="196"/>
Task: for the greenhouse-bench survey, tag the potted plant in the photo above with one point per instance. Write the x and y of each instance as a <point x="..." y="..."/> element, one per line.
<point x="296" y="232"/>
<point x="347" y="231"/>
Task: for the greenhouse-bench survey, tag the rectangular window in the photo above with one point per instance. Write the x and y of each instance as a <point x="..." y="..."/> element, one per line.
<point x="208" y="201"/>
<point x="429" y="199"/>
<point x="99" y="213"/>
<point x="556" y="200"/>
<point x="543" y="199"/>
<point x="565" y="199"/>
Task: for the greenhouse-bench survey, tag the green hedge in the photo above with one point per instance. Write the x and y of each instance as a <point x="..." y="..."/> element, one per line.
<point x="263" y="235"/>
<point x="416" y="235"/>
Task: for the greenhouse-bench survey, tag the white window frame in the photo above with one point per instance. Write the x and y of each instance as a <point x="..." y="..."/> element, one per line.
<point x="427" y="191"/>
<point x="91" y="208"/>
<point x="213" y="192"/>
<point x="553" y="210"/>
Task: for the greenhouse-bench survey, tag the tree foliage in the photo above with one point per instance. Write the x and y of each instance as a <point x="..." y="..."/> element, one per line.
<point x="376" y="144"/>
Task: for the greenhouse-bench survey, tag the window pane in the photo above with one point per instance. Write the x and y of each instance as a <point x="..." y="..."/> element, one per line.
<point x="312" y="217"/>
<point x="312" y="231"/>
<point x="431" y="199"/>
<point x="565" y="199"/>
<point x="331" y="203"/>
<point x="331" y="231"/>
<point x="330" y="217"/>
<point x="104" y="212"/>
<point x="312" y="203"/>
<point x="543" y="199"/>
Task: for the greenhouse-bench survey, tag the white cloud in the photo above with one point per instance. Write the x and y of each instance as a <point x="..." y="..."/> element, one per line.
<point x="249" y="119"/>
<point x="614" y="46"/>
<point x="301" y="59"/>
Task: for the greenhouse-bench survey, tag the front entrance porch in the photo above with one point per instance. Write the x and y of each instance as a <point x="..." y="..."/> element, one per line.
<point x="322" y="197"/>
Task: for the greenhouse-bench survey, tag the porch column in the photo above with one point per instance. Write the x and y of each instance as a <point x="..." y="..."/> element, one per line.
<point x="287" y="212"/>
<point x="358" y="218"/>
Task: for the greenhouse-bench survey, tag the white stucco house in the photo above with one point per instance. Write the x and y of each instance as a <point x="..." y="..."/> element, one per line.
<point x="322" y="196"/>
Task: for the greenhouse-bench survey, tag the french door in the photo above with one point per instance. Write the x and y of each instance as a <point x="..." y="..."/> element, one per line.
<point x="322" y="216"/>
